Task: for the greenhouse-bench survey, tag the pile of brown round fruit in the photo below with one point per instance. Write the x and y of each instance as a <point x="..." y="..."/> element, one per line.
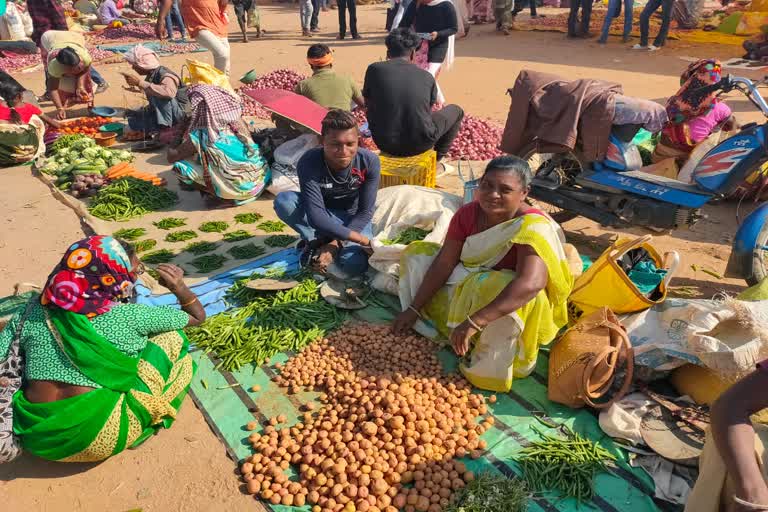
<point x="387" y="432"/>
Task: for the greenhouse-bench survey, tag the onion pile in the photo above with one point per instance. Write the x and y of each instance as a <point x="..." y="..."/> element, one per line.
<point x="11" y="62"/>
<point x="478" y="139"/>
<point x="98" y="54"/>
<point x="388" y="418"/>
<point x="130" y="32"/>
<point x="285" y="79"/>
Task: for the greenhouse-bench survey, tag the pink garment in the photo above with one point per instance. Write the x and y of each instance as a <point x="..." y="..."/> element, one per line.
<point x="482" y="10"/>
<point x="699" y="128"/>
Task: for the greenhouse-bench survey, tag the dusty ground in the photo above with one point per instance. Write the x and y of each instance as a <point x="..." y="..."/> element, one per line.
<point x="186" y="468"/>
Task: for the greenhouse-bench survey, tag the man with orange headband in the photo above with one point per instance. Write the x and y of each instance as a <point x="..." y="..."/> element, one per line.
<point x="325" y="87"/>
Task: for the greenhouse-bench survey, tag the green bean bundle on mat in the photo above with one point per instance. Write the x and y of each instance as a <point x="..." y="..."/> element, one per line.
<point x="214" y="226"/>
<point x="247" y="218"/>
<point x="161" y="256"/>
<point x="129" y="197"/>
<point x="170" y="223"/>
<point x="287" y="320"/>
<point x="144" y="245"/>
<point x="180" y="236"/>
<point x="407" y="236"/>
<point x="237" y="235"/>
<point x="272" y="226"/>
<point x="566" y="465"/>
<point x="198" y="248"/>
<point x="279" y="240"/>
<point x="129" y="234"/>
<point x="208" y="263"/>
<point x="246" y="251"/>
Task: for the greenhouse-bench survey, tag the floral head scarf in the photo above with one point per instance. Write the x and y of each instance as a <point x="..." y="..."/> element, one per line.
<point x="690" y="101"/>
<point x="92" y="276"/>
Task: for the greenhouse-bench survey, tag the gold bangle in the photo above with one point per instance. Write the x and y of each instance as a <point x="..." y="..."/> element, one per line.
<point x="415" y="311"/>
<point x="473" y="323"/>
<point x="185" y="304"/>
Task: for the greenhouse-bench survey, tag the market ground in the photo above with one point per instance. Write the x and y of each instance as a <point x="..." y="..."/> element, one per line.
<point x="186" y="468"/>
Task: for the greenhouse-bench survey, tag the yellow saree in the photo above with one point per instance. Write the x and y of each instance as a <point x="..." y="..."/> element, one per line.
<point x="507" y="348"/>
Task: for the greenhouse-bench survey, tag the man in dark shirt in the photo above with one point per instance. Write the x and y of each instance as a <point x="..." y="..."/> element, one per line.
<point x="332" y="212"/>
<point x="400" y="95"/>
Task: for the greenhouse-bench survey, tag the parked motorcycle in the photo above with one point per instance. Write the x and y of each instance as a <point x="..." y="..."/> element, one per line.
<point x="634" y="198"/>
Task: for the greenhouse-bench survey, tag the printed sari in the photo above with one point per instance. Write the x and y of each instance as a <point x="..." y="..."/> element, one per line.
<point x="508" y="347"/>
<point x="139" y="395"/>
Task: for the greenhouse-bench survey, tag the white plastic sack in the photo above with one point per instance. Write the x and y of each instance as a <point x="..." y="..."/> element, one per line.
<point x="404" y="206"/>
<point x="282" y="182"/>
<point x="289" y="152"/>
<point x="728" y="336"/>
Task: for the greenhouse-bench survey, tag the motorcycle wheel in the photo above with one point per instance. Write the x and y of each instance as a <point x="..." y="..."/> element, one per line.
<point x="562" y="164"/>
<point x="756" y="266"/>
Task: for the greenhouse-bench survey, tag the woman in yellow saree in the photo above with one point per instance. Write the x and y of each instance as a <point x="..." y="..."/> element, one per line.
<point x="497" y="287"/>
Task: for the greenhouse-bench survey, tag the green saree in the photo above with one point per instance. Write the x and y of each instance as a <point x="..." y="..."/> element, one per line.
<point x="139" y="395"/>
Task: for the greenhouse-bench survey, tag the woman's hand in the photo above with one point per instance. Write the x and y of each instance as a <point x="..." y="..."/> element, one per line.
<point x="131" y="79"/>
<point x="404" y="322"/>
<point x="461" y="336"/>
<point x="171" y="276"/>
<point x="433" y="36"/>
<point x="61" y="114"/>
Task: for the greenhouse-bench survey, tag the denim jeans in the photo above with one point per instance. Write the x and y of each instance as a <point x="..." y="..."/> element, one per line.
<point x="586" y="14"/>
<point x="645" y="18"/>
<point x="613" y="5"/>
<point x="175" y="15"/>
<point x="305" y="14"/>
<point x="315" y="20"/>
<point x="96" y="77"/>
<point x="351" y="259"/>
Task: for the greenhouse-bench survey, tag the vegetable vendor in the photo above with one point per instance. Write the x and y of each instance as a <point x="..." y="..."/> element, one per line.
<point x="229" y="166"/>
<point x="400" y="96"/>
<point x="98" y="373"/>
<point x="166" y="94"/>
<point x="108" y="12"/>
<point x="22" y="127"/>
<point x="325" y="87"/>
<point x="498" y="286"/>
<point x="332" y="211"/>
<point x="69" y="69"/>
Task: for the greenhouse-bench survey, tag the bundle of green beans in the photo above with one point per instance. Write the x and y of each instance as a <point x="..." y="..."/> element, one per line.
<point x="247" y="218"/>
<point x="208" y="263"/>
<point x="272" y="323"/>
<point x="130" y="197"/>
<point x="170" y="223"/>
<point x="491" y="493"/>
<point x="407" y="236"/>
<point x="236" y="236"/>
<point x="279" y="240"/>
<point x="129" y="234"/>
<point x="567" y="465"/>
<point x="144" y="245"/>
<point x="198" y="248"/>
<point x="246" y="251"/>
<point x="161" y="256"/>
<point x="180" y="236"/>
<point x="271" y="226"/>
<point x="214" y="226"/>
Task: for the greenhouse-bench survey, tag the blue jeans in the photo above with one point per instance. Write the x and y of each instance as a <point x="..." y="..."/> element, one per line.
<point x="645" y="19"/>
<point x="351" y="259"/>
<point x="613" y="5"/>
<point x="96" y="77"/>
<point x="176" y="14"/>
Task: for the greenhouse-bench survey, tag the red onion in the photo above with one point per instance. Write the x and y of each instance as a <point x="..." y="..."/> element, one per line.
<point x="285" y="79"/>
<point x="478" y="139"/>
<point x="11" y="62"/>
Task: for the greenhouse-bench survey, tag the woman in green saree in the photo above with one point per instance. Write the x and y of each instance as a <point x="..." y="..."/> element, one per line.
<point x="100" y="375"/>
<point x="497" y="287"/>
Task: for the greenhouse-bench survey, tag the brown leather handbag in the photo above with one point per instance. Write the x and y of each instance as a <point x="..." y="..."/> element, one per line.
<point x="584" y="362"/>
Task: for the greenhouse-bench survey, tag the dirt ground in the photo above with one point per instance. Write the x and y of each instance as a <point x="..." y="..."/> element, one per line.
<point x="186" y="468"/>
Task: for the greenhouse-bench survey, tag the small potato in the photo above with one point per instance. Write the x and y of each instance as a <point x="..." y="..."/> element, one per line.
<point x="255" y="388"/>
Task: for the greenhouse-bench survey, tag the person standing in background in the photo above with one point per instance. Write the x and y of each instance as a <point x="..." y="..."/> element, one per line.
<point x="242" y="8"/>
<point x="306" y="9"/>
<point x="614" y="10"/>
<point x="343" y="6"/>
<point x="174" y="16"/>
<point x="586" y="14"/>
<point x="645" y="19"/>
<point x="46" y="15"/>
<point x="207" y="23"/>
<point x="482" y="11"/>
<point x="315" y="21"/>
<point x="503" y="12"/>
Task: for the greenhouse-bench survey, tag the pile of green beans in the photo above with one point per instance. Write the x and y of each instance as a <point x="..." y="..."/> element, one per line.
<point x="129" y="234"/>
<point x="214" y="226"/>
<point x="236" y="236"/>
<point x="198" y="248"/>
<point x="170" y="223"/>
<point x="271" y="226"/>
<point x="127" y="198"/>
<point x="208" y="263"/>
<point x="248" y="218"/>
<point x="180" y="236"/>
<point x="246" y="251"/>
<point x="566" y="465"/>
<point x="408" y="236"/>
<point x="161" y="256"/>
<point x="279" y="240"/>
<point x="269" y="324"/>
<point x="144" y="245"/>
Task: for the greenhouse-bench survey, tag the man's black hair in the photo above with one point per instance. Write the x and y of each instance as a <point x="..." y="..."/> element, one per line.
<point x="401" y="42"/>
<point x="68" y="57"/>
<point x="318" y="50"/>
<point x="338" y="120"/>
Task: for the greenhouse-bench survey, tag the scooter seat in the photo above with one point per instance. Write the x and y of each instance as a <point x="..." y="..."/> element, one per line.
<point x="666" y="182"/>
<point x="648" y="185"/>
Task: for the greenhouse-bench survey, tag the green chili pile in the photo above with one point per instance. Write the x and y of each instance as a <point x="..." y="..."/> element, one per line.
<point x="180" y="236"/>
<point x="236" y="236"/>
<point x="246" y="251"/>
<point x="490" y="493"/>
<point x="208" y="263"/>
<point x="198" y="248"/>
<point x="248" y="218"/>
<point x="127" y="198"/>
<point x="129" y="234"/>
<point x="161" y="256"/>
<point x="144" y="245"/>
<point x="279" y="240"/>
<point x="567" y="465"/>
<point x="271" y="226"/>
<point x="214" y="226"/>
<point x="408" y="236"/>
<point x="269" y="324"/>
<point x="170" y="223"/>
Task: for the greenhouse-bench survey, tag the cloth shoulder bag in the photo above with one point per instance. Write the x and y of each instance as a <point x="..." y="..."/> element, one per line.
<point x="584" y="362"/>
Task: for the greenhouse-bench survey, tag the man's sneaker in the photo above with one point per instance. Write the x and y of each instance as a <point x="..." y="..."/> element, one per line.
<point x="102" y="87"/>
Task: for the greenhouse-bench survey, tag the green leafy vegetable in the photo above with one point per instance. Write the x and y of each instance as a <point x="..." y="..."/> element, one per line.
<point x="279" y="240"/>
<point x="236" y="236"/>
<point x="215" y="226"/>
<point x="198" y="248"/>
<point x="246" y="251"/>
<point x="271" y="226"/>
<point x="180" y="236"/>
<point x="248" y="218"/>
<point x="491" y="493"/>
<point x="129" y="233"/>
<point x="170" y="223"/>
<point x="161" y="256"/>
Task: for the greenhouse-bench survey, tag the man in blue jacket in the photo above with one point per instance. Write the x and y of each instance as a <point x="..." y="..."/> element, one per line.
<point x="332" y="212"/>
